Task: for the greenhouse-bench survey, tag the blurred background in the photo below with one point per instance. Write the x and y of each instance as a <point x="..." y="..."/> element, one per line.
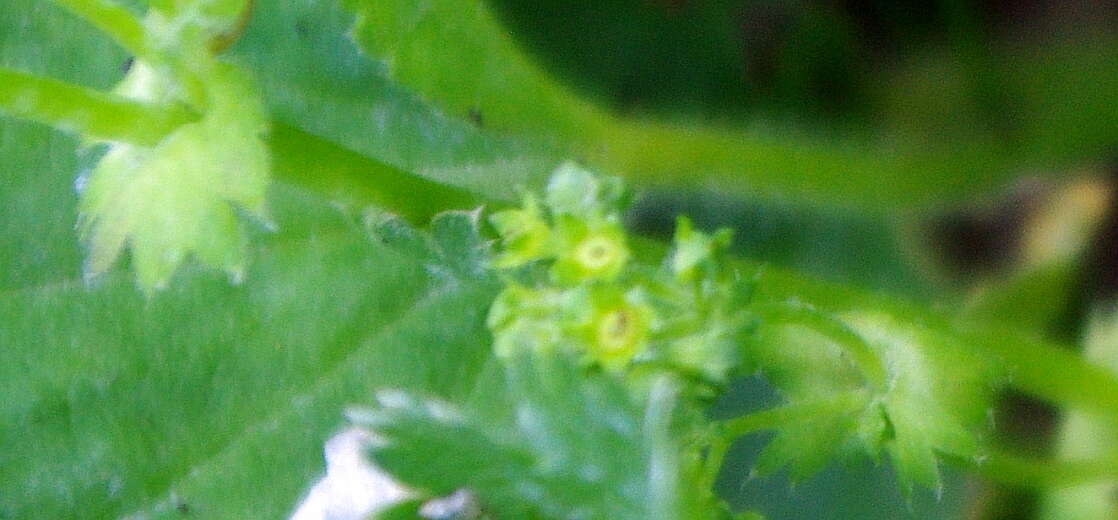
<point x="1036" y="79"/>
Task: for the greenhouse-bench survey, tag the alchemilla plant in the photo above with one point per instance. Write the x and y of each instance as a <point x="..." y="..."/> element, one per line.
<point x="300" y="217"/>
<point x="576" y="302"/>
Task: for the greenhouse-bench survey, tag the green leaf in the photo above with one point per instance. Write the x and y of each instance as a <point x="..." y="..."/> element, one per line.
<point x="453" y="250"/>
<point x="40" y="245"/>
<point x="116" y="404"/>
<point x="938" y="398"/>
<point x="934" y="400"/>
<point x="573" y="446"/>
<point x="807" y="446"/>
<point x="315" y="79"/>
<point x="165" y="196"/>
<point x="487" y="74"/>
<point x="178" y="198"/>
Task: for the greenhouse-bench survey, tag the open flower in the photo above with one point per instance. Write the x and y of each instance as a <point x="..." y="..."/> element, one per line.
<point x="615" y="328"/>
<point x="593" y="250"/>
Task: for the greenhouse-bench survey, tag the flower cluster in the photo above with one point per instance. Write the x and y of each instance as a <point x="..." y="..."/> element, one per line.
<point x="572" y="285"/>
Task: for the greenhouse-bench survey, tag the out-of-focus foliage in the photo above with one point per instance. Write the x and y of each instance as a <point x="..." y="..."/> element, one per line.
<point x="213" y="399"/>
<point x="943" y="153"/>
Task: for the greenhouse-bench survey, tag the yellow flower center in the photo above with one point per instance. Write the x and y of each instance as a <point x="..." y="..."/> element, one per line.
<point x="614" y="331"/>
<point x="596" y="253"/>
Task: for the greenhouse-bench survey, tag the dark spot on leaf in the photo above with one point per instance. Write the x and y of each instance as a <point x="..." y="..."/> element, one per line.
<point x="475" y="115"/>
<point x="127" y="65"/>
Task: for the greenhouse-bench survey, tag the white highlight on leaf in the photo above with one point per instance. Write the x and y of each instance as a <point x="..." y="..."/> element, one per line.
<point x="353" y="488"/>
<point x="460" y="504"/>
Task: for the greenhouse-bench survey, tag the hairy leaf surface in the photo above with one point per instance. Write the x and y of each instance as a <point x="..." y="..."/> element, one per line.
<point x="115" y="404"/>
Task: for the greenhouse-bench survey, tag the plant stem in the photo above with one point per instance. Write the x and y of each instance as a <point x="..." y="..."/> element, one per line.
<point x="1045" y="473"/>
<point x="712" y="465"/>
<point x="664" y="463"/>
<point x="226" y="39"/>
<point x="114" y="20"/>
<point x="350" y="178"/>
<point x="92" y="113"/>
<point x="300" y="158"/>
<point x="774" y="418"/>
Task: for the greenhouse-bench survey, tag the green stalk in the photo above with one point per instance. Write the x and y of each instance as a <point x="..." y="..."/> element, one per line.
<point x="91" y="113"/>
<point x="775" y="418"/>
<point x="300" y="159"/>
<point x="712" y="463"/>
<point x="113" y="20"/>
<point x="664" y="461"/>
<point x="1051" y="373"/>
<point x="350" y="178"/>
<point x="1044" y="473"/>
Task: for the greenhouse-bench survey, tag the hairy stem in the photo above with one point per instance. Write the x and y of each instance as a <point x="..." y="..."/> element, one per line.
<point x="300" y="158"/>
<point x="92" y="113"/>
<point x="350" y="178"/>
<point x="665" y="459"/>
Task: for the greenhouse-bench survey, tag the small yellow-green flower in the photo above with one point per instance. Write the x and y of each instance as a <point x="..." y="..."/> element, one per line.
<point x="524" y="234"/>
<point x="588" y="300"/>
<point x="618" y="329"/>
<point x="589" y="251"/>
